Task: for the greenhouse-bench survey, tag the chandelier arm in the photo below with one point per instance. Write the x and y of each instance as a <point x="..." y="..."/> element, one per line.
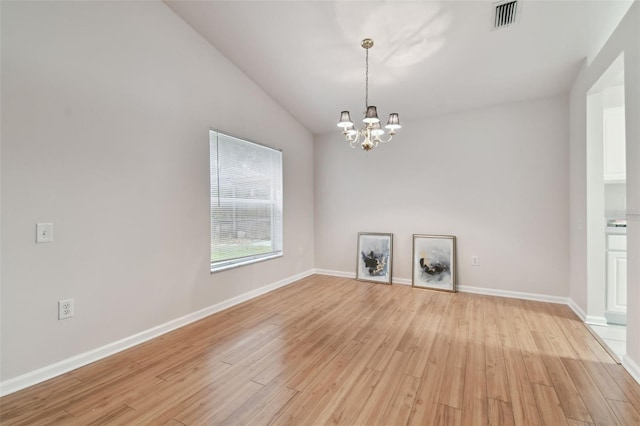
<point x="356" y="140"/>
<point x="386" y="141"/>
<point x="353" y="140"/>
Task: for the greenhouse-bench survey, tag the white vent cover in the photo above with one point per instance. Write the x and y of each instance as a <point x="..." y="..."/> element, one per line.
<point x="504" y="13"/>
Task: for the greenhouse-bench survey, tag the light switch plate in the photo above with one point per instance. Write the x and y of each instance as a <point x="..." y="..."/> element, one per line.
<point x="44" y="232"/>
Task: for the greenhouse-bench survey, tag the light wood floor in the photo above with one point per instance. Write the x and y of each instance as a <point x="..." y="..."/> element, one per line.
<point x="332" y="350"/>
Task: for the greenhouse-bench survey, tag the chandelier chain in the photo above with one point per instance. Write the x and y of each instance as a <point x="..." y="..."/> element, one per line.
<point x="366" y="81"/>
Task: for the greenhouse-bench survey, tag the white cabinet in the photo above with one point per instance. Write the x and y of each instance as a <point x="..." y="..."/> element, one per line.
<point x="614" y="145"/>
<point x="616" y="279"/>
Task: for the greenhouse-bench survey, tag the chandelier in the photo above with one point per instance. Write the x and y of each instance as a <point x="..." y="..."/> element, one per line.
<point x="370" y="135"/>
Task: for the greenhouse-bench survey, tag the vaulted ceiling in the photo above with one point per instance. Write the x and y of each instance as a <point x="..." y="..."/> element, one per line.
<point x="429" y="57"/>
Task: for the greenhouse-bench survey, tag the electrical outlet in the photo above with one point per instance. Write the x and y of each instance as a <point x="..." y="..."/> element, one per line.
<point x="475" y="261"/>
<point x="44" y="232"/>
<point x="65" y="309"/>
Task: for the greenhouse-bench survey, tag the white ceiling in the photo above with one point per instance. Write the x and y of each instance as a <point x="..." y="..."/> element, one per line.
<point x="429" y="57"/>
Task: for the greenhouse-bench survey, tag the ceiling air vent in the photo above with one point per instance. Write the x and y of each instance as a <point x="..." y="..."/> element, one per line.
<point x="504" y="13"/>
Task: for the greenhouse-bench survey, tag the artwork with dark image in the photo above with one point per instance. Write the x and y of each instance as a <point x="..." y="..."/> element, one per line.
<point x="434" y="261"/>
<point x="374" y="257"/>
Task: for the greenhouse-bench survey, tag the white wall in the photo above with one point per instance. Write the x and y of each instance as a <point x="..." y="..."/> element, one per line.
<point x="615" y="200"/>
<point x="496" y="178"/>
<point x="595" y="223"/>
<point x="106" y="108"/>
<point x="625" y="39"/>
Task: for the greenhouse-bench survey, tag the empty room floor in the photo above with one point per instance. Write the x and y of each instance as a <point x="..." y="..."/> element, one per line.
<point x="329" y="350"/>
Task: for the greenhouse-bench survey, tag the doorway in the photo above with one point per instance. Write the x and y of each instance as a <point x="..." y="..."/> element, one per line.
<point x="606" y="208"/>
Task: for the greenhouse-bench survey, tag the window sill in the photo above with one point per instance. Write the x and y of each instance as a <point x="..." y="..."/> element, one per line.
<point x="239" y="263"/>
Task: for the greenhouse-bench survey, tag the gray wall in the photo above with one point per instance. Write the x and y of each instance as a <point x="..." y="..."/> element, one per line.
<point x="106" y="108"/>
<point x="496" y="178"/>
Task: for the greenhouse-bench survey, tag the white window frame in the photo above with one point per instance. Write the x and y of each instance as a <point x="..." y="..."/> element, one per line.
<point x="276" y="201"/>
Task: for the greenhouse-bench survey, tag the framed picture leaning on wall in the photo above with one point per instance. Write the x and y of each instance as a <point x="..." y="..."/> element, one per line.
<point x="375" y="254"/>
<point x="434" y="262"/>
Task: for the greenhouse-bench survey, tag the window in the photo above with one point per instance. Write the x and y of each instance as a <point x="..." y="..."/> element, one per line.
<point x="246" y="201"/>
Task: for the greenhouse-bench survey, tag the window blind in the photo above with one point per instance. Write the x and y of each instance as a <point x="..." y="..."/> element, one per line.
<point x="246" y="201"/>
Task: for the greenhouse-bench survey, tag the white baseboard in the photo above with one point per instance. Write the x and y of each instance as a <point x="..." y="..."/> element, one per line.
<point x="514" y="294"/>
<point x="631" y="367"/>
<point x="577" y="309"/>
<point x="466" y="289"/>
<point x="594" y="320"/>
<point x="335" y="273"/>
<point x="50" y="371"/>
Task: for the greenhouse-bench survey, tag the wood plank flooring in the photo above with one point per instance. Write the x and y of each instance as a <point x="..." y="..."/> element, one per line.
<point x="331" y="350"/>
